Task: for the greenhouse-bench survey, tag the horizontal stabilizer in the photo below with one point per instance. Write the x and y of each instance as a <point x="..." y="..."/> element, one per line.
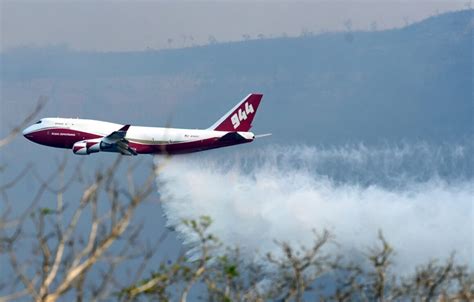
<point x="262" y="135"/>
<point x="232" y="137"/>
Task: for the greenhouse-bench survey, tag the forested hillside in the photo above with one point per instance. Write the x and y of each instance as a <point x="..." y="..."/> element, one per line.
<point x="411" y="83"/>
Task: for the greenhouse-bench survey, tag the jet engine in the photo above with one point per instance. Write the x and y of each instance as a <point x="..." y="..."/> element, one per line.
<point x="86" y="147"/>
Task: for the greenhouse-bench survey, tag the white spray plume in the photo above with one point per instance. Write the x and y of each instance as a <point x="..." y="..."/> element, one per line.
<point x="283" y="194"/>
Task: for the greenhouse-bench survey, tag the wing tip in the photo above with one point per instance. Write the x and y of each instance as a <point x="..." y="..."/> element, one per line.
<point x="124" y="128"/>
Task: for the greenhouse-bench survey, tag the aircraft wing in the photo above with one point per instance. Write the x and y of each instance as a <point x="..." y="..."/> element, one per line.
<point x="124" y="148"/>
<point x="116" y="135"/>
<point x="116" y="140"/>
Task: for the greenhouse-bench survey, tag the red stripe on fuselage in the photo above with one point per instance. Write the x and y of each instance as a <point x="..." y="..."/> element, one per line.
<point x="59" y="137"/>
<point x="66" y="138"/>
<point x="181" y="148"/>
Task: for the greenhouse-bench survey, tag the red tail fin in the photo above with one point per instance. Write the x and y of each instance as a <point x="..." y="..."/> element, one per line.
<point x="241" y="116"/>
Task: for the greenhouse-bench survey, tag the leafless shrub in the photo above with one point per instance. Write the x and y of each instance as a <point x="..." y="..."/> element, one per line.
<point x="298" y="269"/>
<point x="63" y="255"/>
<point x="307" y="270"/>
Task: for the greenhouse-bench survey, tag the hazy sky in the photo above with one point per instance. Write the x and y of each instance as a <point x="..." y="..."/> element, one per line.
<point x="138" y="25"/>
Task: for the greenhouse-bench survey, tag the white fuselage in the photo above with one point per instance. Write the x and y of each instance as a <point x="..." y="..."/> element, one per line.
<point x="90" y="136"/>
<point x="65" y="132"/>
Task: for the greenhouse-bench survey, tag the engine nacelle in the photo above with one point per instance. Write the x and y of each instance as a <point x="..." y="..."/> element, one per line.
<point x="86" y="147"/>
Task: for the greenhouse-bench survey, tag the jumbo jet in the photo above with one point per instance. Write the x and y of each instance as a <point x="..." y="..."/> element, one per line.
<point x="90" y="136"/>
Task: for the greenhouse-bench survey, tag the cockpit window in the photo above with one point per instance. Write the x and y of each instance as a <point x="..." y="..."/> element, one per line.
<point x="38" y="122"/>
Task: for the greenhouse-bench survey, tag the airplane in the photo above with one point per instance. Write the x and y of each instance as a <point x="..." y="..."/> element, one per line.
<point x="85" y="136"/>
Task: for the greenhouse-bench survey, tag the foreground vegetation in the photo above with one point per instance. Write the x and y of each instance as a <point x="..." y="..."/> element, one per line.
<point x="295" y="274"/>
<point x="90" y="248"/>
<point x="81" y="249"/>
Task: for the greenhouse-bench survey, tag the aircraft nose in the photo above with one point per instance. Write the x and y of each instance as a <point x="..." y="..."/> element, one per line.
<point x="26" y="131"/>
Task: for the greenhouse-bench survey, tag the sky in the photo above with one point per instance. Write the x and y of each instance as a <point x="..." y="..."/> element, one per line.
<point x="141" y="25"/>
<point x="357" y="209"/>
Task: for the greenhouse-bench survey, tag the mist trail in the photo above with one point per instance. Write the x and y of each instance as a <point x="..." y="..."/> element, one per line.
<point x="420" y="196"/>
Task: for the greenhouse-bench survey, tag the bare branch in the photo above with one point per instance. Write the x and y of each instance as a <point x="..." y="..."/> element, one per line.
<point x="14" y="132"/>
